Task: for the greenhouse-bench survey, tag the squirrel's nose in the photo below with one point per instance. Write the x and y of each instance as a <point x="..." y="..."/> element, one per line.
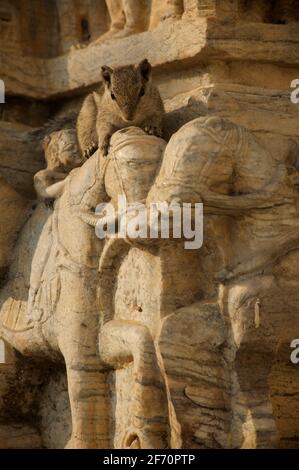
<point x="129" y="114"/>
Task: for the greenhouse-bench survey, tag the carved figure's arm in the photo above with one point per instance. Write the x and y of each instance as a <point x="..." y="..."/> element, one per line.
<point x="55" y="190"/>
<point x="44" y="186"/>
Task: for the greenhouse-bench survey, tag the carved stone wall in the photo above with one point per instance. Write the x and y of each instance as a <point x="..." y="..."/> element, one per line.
<point x="178" y="348"/>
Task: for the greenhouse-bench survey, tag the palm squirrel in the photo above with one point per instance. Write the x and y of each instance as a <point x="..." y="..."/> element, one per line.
<point x="128" y="98"/>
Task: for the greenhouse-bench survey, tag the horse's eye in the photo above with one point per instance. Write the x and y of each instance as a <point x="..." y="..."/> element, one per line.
<point x="113" y="96"/>
<point x="142" y="92"/>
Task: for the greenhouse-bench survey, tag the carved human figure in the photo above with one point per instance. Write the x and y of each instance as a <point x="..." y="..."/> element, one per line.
<point x="127" y="17"/>
<point x="62" y="155"/>
<point x="57" y="255"/>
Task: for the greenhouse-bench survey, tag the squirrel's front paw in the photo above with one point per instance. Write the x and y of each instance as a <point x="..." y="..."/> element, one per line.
<point x="153" y="130"/>
<point x="90" y="150"/>
<point x="104" y="147"/>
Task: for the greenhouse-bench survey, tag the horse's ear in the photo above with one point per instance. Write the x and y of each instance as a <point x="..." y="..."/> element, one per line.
<point x="106" y="74"/>
<point x="145" y="69"/>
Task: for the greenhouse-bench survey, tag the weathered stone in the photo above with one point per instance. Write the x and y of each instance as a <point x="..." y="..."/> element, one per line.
<point x="138" y="342"/>
<point x="19" y="437"/>
<point x="191" y="42"/>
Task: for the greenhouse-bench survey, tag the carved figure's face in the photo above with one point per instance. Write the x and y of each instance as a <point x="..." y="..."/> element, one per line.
<point x="61" y="150"/>
<point x="126" y="86"/>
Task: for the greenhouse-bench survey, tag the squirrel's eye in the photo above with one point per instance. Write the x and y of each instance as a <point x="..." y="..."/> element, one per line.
<point x="113" y="96"/>
<point x="142" y="92"/>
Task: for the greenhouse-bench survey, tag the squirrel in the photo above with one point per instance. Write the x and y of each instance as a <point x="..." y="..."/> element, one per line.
<point x="61" y="155"/>
<point x="128" y="98"/>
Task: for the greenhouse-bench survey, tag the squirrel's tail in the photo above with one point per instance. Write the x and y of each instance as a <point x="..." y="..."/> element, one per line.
<point x="56" y="124"/>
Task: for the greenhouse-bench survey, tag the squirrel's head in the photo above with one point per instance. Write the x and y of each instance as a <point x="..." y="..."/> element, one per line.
<point x="127" y="86"/>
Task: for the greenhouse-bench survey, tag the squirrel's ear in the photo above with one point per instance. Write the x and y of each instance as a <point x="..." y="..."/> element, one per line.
<point x="106" y="74"/>
<point x="46" y="141"/>
<point x="145" y="69"/>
